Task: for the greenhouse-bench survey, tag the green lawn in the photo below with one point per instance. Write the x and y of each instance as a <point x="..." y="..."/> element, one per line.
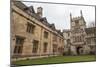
<point x="55" y="60"/>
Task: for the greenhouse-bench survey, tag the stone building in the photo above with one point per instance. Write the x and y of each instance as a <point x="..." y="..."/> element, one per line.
<point x="66" y="34"/>
<point x="79" y="39"/>
<point x="91" y="39"/>
<point x="31" y="34"/>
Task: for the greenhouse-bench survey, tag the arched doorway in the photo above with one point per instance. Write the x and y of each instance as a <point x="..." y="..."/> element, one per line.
<point x="79" y="50"/>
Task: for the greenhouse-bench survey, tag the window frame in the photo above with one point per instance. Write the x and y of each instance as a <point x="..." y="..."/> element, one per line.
<point x="46" y="34"/>
<point x="45" y="47"/>
<point x="18" y="45"/>
<point x="35" y="46"/>
<point x="30" y="28"/>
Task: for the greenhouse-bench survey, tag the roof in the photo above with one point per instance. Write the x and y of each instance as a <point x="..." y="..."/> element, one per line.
<point x="91" y="30"/>
<point x="66" y="30"/>
<point x="30" y="10"/>
<point x="20" y="5"/>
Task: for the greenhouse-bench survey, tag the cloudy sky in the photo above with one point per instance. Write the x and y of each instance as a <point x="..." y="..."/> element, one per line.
<point x="59" y="14"/>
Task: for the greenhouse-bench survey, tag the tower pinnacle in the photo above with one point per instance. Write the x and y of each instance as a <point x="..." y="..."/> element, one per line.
<point x="81" y="13"/>
<point x="70" y="17"/>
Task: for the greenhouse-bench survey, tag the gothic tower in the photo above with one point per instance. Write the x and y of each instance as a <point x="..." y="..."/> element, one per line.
<point x="77" y="22"/>
<point x="78" y="26"/>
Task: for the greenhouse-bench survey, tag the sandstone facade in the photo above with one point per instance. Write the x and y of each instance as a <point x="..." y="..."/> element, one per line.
<point x="32" y="35"/>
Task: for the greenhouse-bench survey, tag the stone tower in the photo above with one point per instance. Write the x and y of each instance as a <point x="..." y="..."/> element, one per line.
<point x="77" y="22"/>
<point x="78" y="26"/>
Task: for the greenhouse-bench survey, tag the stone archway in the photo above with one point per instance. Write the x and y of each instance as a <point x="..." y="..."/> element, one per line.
<point x="79" y="50"/>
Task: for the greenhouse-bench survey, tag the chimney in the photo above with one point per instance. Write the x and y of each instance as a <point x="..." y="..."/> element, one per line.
<point x="39" y="11"/>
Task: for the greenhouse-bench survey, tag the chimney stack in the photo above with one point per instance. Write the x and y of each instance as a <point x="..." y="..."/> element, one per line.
<point x="39" y="11"/>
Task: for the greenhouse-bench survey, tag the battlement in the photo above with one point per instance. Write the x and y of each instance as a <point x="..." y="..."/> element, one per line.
<point x="76" y="18"/>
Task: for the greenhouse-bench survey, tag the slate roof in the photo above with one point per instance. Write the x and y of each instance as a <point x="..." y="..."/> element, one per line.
<point x="30" y="10"/>
<point x="91" y="30"/>
<point x="66" y="30"/>
<point x="20" y="5"/>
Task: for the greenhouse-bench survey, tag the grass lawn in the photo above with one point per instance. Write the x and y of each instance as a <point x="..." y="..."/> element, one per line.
<point x="55" y="60"/>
